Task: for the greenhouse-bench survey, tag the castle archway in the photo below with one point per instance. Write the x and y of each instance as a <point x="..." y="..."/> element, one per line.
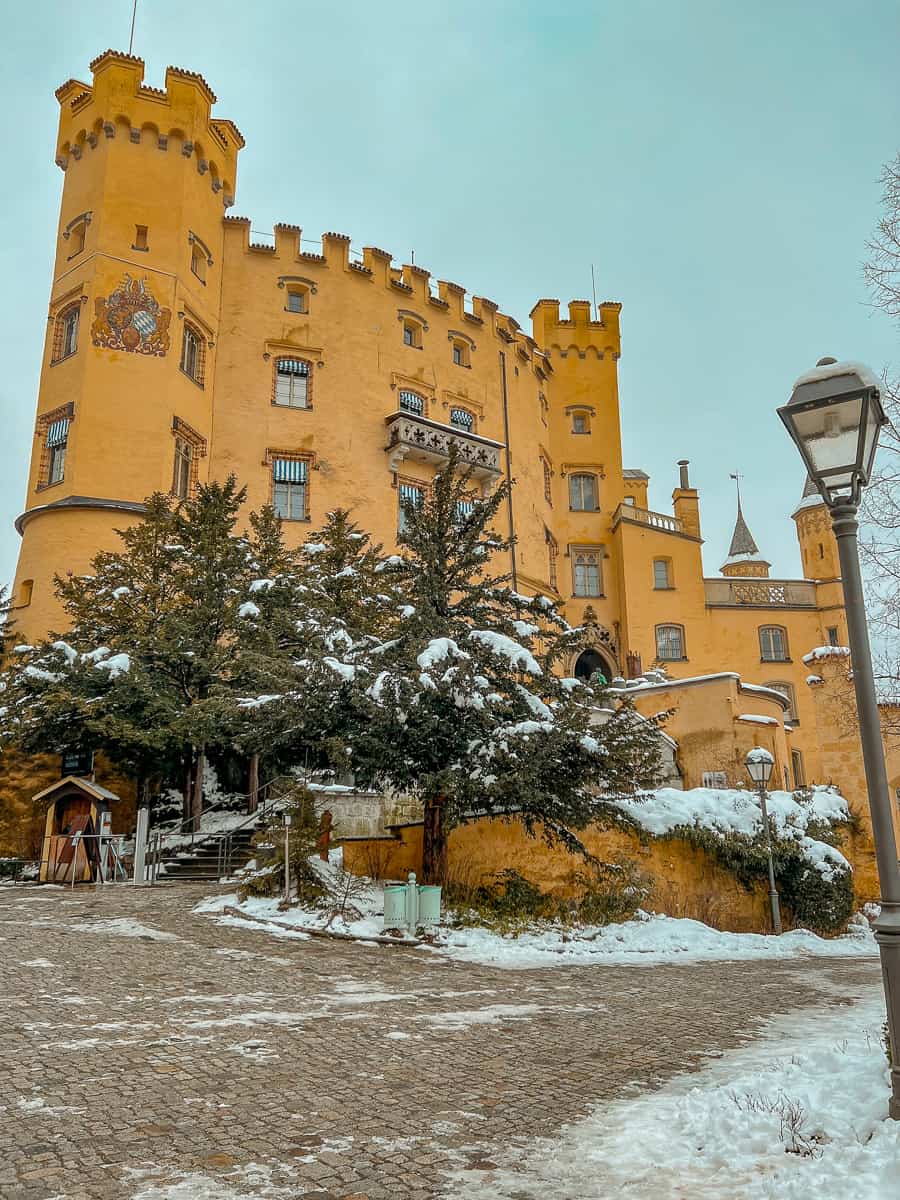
<point x="590" y="661"/>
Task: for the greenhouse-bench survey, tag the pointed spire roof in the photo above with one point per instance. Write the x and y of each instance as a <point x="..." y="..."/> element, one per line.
<point x="742" y="543"/>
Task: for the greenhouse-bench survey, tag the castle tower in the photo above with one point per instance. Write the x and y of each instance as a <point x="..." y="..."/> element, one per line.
<point x="744" y="559"/>
<point x="818" y="548"/>
<point x="125" y="400"/>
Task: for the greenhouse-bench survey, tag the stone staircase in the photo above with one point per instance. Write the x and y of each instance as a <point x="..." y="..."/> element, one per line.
<point x="217" y="856"/>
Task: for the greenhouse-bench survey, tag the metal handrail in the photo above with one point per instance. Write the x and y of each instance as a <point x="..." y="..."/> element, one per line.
<point x="263" y="788"/>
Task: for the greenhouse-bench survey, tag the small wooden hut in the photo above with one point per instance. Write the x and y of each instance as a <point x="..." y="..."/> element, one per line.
<point x="78" y="812"/>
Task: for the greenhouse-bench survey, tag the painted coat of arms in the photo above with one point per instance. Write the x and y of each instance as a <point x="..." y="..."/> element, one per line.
<point x="131" y="319"/>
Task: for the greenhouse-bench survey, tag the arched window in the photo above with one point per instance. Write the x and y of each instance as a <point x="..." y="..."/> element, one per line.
<point x="662" y="574"/>
<point x="773" y="643"/>
<point x="292" y="383"/>
<point x="583" y="493"/>
<point x="412" y="402"/>
<point x="670" y="643"/>
<point x="787" y="690"/>
<point x="65" y="332"/>
<point x="461" y="418"/>
<point x="192" y="353"/>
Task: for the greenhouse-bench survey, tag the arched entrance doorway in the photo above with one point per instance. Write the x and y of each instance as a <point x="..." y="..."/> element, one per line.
<point x="590" y="661"/>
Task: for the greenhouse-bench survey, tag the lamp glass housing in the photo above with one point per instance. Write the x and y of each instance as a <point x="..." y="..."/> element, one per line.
<point x="837" y="436"/>
<point x="760" y="766"/>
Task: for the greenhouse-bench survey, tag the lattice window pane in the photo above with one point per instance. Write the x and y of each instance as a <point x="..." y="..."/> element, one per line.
<point x="411" y="402"/>
<point x="462" y="419"/>
<point x="669" y="642"/>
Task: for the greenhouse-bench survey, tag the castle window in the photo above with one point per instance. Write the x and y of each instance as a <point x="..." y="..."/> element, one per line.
<point x="181" y="476"/>
<point x="833" y="635"/>
<point x="411" y="495"/>
<point x="140" y="238"/>
<point x="77" y="235"/>
<point x="545" y="467"/>
<point x="57" y="443"/>
<point x="786" y="690"/>
<point x="583" y="493"/>
<point x="296" y="301"/>
<point x="799" y="773"/>
<point x="198" y="262"/>
<point x="461" y="354"/>
<point x="552" y="555"/>
<point x="412" y="402"/>
<point x="192" y="354"/>
<point x="464" y="510"/>
<point x="581" y="422"/>
<point x="586" y="574"/>
<point x="773" y="645"/>
<point x="291" y="383"/>
<point x="821" y="550"/>
<point x="670" y="643"/>
<point x="412" y="334"/>
<point x="289" y="488"/>
<point x="24" y="594"/>
<point x="662" y="574"/>
<point x="462" y="419"/>
<point x="65" y="332"/>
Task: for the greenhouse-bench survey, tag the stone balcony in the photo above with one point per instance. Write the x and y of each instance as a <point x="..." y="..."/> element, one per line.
<point x="420" y="440"/>
<point x="645" y="516"/>
<point x="759" y="593"/>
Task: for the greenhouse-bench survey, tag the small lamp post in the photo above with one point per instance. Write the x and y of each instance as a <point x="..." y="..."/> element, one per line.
<point x="287" y="858"/>
<point x="835" y="416"/>
<point x="759" y="764"/>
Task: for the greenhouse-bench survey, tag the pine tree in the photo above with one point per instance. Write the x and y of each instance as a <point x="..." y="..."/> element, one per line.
<point x="468" y="710"/>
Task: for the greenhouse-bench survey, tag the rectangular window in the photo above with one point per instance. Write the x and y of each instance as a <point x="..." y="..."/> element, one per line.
<point x="583" y="493"/>
<point x="57" y="443"/>
<point x="669" y="642"/>
<point x="181" y="477"/>
<point x="797" y="765"/>
<point x="292" y="383"/>
<point x="409" y="335"/>
<point x="772" y="644"/>
<point x="458" y="355"/>
<point x="77" y="236"/>
<point x="410" y="495"/>
<point x="714" y="779"/>
<point x="552" y="554"/>
<point x="198" y="263"/>
<point x="296" y="302"/>
<point x="586" y="572"/>
<point x="464" y="509"/>
<point x="192" y="354"/>
<point x="289" y="488"/>
<point x="140" y="238"/>
<point x="661" y="577"/>
<point x="580" y="423"/>
<point x="833" y="635"/>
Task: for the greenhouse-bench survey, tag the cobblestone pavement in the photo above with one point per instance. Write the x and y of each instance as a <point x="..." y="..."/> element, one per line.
<point x="196" y="1060"/>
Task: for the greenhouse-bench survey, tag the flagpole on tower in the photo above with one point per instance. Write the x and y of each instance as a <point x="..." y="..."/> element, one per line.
<point x="133" y="15"/>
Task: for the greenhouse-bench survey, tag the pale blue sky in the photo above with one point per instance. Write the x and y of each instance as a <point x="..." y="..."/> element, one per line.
<point x="717" y="160"/>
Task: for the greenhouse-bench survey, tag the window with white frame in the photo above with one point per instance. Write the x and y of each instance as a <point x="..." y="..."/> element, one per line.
<point x="291" y="383"/>
<point x="670" y="642"/>
<point x="586" y="572"/>
<point x="773" y="643"/>
<point x="583" y="493"/>
<point x="662" y="574"/>
<point x="56" y="446"/>
<point x="411" y="495"/>
<point x="181" y="474"/>
<point x="289" y="484"/>
<point x="412" y="402"/>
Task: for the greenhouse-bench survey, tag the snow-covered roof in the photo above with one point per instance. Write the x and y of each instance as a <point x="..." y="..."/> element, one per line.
<point x="647" y="685"/>
<point x="867" y="376"/>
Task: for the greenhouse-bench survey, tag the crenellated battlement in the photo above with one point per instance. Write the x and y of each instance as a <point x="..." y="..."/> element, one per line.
<point x="579" y="333"/>
<point x="177" y="119"/>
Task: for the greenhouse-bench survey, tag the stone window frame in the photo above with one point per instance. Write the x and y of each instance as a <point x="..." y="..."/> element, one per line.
<point x="304" y="361"/>
<point x="595" y="483"/>
<point x="58" y="351"/>
<point x="185" y="433"/>
<point x="304" y="456"/>
<point x="596" y="552"/>
<point x="669" y="585"/>
<point x="65" y="412"/>
<point x="783" y="634"/>
<point x="192" y="330"/>
<point x="663" y="628"/>
<point x="408" y="481"/>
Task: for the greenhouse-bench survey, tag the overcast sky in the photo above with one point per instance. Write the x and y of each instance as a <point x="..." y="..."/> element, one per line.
<point x="716" y="160"/>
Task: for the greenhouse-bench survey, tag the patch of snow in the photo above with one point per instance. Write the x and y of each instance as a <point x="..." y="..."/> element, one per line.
<point x="516" y="654"/>
<point x="800" y="1114"/>
<point x="437" y="650"/>
<point x="819" y="652"/>
<point x="756" y="719"/>
<point x="122" y="927"/>
<point x="261" y="585"/>
<point x="118" y="664"/>
<point x="812" y="680"/>
<point x="344" y="670"/>
<point x="248" y="609"/>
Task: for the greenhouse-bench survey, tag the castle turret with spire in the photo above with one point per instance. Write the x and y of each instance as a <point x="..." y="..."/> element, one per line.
<point x="744" y="559"/>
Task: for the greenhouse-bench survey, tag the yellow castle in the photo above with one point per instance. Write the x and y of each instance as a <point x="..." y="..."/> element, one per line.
<point x="181" y="349"/>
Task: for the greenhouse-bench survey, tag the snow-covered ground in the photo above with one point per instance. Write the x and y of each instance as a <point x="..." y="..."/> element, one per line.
<point x="650" y="938"/>
<point x="800" y="1114"/>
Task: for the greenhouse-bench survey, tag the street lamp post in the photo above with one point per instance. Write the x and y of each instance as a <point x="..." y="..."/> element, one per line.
<point x="835" y="416"/>
<point x="759" y="764"/>
<point x="287" y="858"/>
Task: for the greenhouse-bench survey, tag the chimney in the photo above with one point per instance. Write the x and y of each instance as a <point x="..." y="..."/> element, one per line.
<point x="685" y="484"/>
<point x="685" y="502"/>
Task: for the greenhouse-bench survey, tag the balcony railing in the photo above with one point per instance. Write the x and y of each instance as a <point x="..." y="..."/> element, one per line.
<point x="426" y="441"/>
<point x="644" y="516"/>
<point x="759" y="593"/>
